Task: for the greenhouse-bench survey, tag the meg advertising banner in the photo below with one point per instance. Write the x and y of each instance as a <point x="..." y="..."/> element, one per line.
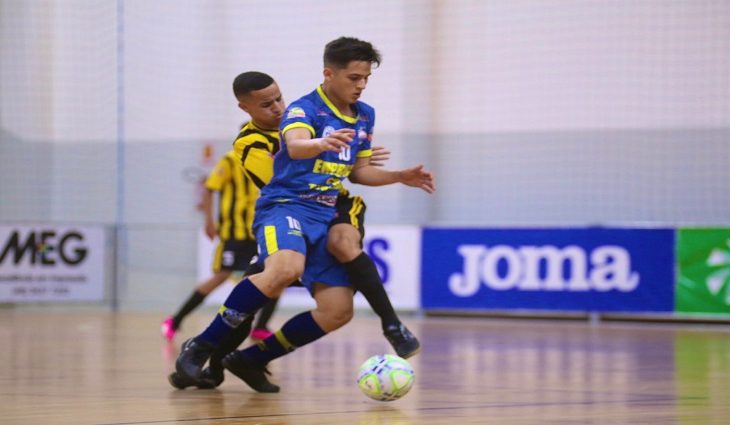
<point x="589" y="269"/>
<point x="51" y="263"/>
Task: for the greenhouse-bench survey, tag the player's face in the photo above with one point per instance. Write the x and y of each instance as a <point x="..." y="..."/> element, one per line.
<point x="347" y="84"/>
<point x="265" y="106"/>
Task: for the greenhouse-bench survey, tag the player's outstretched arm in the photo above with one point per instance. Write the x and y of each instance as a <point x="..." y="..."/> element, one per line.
<point x="366" y="174"/>
<point x="300" y="145"/>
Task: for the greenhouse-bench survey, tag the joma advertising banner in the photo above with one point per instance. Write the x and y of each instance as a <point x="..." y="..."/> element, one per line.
<point x="51" y="263"/>
<point x="588" y="269"/>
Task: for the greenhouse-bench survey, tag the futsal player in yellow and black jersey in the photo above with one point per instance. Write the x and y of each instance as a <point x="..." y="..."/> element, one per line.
<point x="237" y="195"/>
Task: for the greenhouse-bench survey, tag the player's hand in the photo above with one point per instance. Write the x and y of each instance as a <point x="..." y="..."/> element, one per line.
<point x="210" y="230"/>
<point x="337" y="141"/>
<point x="418" y="177"/>
<point x="379" y="156"/>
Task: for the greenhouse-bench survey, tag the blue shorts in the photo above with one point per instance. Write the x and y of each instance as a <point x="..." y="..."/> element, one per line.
<point x="290" y="226"/>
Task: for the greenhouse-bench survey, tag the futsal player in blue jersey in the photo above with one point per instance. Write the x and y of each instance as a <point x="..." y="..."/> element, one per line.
<point x="326" y="137"/>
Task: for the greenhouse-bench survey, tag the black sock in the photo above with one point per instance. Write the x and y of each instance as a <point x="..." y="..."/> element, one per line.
<point x="231" y="342"/>
<point x="365" y="278"/>
<point x="262" y="319"/>
<point x="195" y="299"/>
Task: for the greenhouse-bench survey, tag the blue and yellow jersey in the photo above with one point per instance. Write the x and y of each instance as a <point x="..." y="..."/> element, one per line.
<point x="318" y="180"/>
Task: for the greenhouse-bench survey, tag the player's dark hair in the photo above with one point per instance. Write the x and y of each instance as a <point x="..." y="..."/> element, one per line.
<point x="344" y="50"/>
<point x="251" y="81"/>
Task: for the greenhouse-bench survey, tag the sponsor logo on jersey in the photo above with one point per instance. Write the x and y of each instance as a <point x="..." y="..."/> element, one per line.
<point x="296" y="112"/>
<point x="332" y="168"/>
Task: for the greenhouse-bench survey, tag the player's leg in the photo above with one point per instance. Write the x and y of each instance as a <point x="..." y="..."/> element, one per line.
<point x="213" y="373"/>
<point x="245" y="299"/>
<point x="212" y="376"/>
<point x="260" y="329"/>
<point x="283" y="251"/>
<point x="334" y="309"/>
<point x="345" y="243"/>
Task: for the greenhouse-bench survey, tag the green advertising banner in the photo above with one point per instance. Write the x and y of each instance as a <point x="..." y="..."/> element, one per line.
<point x="703" y="278"/>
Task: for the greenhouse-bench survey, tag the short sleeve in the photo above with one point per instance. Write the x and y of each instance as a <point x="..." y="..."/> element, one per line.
<point x="220" y="175"/>
<point x="298" y="115"/>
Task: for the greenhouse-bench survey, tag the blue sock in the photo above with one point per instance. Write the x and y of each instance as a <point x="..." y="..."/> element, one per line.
<point x="298" y="331"/>
<point x="243" y="301"/>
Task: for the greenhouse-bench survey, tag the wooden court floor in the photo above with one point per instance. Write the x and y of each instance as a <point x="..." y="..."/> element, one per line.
<point x="105" y="368"/>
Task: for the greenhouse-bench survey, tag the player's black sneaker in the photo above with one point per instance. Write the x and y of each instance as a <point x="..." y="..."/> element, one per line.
<point x="192" y="357"/>
<point x="252" y="374"/>
<point x="206" y="381"/>
<point x="211" y="377"/>
<point x="403" y="341"/>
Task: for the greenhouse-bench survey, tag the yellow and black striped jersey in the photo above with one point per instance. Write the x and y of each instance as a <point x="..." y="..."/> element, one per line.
<point x="236" y="200"/>
<point x="255" y="148"/>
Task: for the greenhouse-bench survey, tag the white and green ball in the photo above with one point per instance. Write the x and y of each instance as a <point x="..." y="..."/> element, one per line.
<point x="385" y="377"/>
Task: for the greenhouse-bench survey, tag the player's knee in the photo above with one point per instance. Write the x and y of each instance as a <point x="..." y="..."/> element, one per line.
<point x="283" y="275"/>
<point x="288" y="275"/>
<point x="339" y="316"/>
<point x="343" y="246"/>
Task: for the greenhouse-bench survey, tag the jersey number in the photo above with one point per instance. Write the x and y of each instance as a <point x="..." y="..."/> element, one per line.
<point x="345" y="154"/>
<point x="293" y="223"/>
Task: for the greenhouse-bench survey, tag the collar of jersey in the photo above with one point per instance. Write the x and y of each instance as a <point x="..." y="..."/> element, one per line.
<point x="251" y="123"/>
<point x="325" y="99"/>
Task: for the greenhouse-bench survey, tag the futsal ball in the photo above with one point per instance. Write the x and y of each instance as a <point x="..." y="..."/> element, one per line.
<point x="385" y="377"/>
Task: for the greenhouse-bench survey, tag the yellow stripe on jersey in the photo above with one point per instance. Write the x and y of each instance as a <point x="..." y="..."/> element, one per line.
<point x="365" y="153"/>
<point x="357" y="205"/>
<point x="349" y="120"/>
<point x="298" y="125"/>
<point x="271" y="243"/>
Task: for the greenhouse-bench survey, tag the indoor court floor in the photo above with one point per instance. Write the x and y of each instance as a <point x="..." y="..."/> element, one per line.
<point x="97" y="367"/>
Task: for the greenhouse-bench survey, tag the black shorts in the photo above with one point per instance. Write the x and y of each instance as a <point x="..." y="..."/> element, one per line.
<point x="233" y="255"/>
<point x="350" y="210"/>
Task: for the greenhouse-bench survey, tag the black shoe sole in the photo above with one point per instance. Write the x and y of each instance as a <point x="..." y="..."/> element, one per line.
<point x="410" y="354"/>
<point x="245" y="374"/>
<point x="180" y="382"/>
